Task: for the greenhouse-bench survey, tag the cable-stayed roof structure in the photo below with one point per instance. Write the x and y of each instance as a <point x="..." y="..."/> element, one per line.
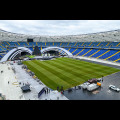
<point x="107" y="36"/>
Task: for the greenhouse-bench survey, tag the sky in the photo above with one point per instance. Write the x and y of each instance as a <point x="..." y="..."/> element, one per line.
<point x="58" y="27"/>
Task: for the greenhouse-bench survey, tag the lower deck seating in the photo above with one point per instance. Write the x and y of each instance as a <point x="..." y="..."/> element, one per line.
<point x="88" y="49"/>
<point x="2" y="55"/>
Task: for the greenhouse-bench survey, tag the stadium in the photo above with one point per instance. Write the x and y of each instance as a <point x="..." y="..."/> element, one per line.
<point x="35" y="67"/>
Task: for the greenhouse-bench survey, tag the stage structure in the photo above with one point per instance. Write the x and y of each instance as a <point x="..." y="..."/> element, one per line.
<point x="59" y="49"/>
<point x="36" y="51"/>
<point x="16" y="52"/>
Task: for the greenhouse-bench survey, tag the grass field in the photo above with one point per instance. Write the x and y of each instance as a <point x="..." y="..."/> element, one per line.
<point x="67" y="72"/>
<point x="30" y="56"/>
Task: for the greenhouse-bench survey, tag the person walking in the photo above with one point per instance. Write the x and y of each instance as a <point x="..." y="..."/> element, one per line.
<point x="47" y="90"/>
<point x="63" y="91"/>
<point x="57" y="88"/>
<point x="102" y="78"/>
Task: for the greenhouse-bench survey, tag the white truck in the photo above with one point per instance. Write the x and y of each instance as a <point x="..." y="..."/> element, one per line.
<point x="92" y="87"/>
<point x="85" y="85"/>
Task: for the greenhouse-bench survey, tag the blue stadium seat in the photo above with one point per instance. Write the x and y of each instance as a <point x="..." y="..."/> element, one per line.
<point x="99" y="53"/>
<point x="91" y="52"/>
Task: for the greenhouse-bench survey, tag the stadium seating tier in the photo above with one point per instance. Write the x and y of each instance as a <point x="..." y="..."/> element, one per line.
<point x="100" y="50"/>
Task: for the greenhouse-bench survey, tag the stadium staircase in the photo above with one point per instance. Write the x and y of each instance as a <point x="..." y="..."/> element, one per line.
<point x="87" y="52"/>
<point x="67" y="44"/>
<point x="117" y="60"/>
<point x="75" y="44"/>
<point x="103" y="54"/>
<point x="107" y="44"/>
<point x="69" y="49"/>
<point x="94" y="53"/>
<point x="27" y="43"/>
<point x="90" y="44"/>
<point x="2" y="46"/>
<point x="8" y="43"/>
<point x="60" y="44"/>
<point x="79" y="52"/>
<point x="82" y="44"/>
<point x="112" y="55"/>
<point x="117" y="44"/>
<point x="98" y="44"/>
<point x="74" y="50"/>
<point x="18" y="43"/>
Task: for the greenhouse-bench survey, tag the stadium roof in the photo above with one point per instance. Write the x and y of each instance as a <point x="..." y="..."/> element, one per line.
<point x="108" y="36"/>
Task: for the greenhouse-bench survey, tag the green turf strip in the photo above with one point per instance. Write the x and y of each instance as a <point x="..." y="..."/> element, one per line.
<point x="89" y="70"/>
<point x="49" y="77"/>
<point x="89" y="66"/>
<point x="76" y="72"/>
<point x="66" y="76"/>
<point x="79" y="62"/>
<point x="67" y="72"/>
<point x="97" y="73"/>
<point x="40" y="75"/>
<point x="30" y="56"/>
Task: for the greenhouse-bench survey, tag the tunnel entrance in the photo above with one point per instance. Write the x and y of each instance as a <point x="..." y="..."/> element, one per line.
<point x="51" y="53"/>
<point x="56" y="51"/>
<point x="21" y="55"/>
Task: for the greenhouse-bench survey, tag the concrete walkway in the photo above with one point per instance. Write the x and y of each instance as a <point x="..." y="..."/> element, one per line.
<point x="98" y="60"/>
<point x="12" y="91"/>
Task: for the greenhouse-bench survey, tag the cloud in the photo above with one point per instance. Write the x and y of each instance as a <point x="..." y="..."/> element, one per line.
<point x="58" y="27"/>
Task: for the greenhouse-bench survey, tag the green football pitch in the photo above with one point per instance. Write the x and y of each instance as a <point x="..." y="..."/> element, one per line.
<point x="67" y="72"/>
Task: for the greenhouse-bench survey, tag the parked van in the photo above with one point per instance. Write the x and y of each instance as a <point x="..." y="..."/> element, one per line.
<point x="85" y="85"/>
<point x="92" y="87"/>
